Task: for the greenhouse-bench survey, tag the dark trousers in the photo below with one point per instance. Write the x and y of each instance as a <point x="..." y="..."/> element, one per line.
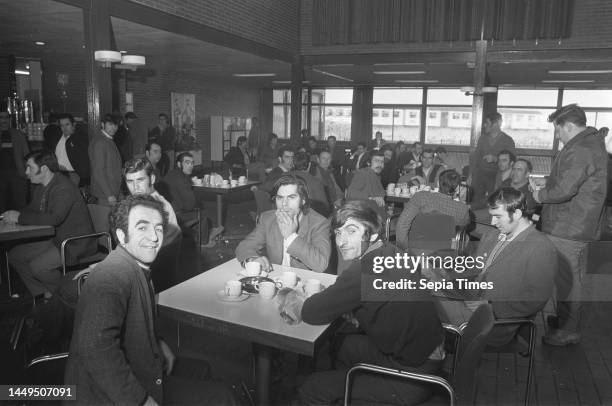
<point x="189" y="383"/>
<point x="324" y="388"/>
<point x="13" y="191"/>
<point x="483" y="184"/>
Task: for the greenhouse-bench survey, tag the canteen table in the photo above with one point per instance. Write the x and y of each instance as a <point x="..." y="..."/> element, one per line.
<point x="197" y="302"/>
<point x="13" y="232"/>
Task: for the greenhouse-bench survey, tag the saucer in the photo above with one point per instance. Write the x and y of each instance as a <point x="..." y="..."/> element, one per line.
<point x="244" y="275"/>
<point x="250" y="283"/>
<point x="298" y="283"/>
<point x="225" y="298"/>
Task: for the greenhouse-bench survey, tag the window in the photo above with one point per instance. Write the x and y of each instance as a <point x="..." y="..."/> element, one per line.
<point x="331" y="111"/>
<point x="281" y="120"/>
<point x="449" y="117"/>
<point x="397" y="113"/>
<point x="596" y="103"/>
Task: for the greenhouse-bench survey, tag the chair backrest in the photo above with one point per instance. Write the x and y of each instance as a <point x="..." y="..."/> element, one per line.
<point x="262" y="200"/>
<point x="472" y="345"/>
<point x="432" y="231"/>
<point x="47" y="369"/>
<point x="99" y="217"/>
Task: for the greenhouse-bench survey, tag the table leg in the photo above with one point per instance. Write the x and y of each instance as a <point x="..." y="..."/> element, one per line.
<point x="263" y="360"/>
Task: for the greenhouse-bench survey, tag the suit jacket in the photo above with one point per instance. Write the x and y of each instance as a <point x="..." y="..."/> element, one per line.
<point x="177" y="188"/>
<point x="114" y="353"/>
<point x="522" y="275"/>
<point x="435" y="171"/>
<point x="310" y="250"/>
<point x="61" y="205"/>
<point x="76" y="148"/>
<point x="105" y="167"/>
<point x="365" y="184"/>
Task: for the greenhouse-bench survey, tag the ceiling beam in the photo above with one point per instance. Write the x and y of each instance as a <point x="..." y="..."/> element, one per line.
<point x="551" y="55"/>
<point x="85" y="5"/>
<point x="137" y="13"/>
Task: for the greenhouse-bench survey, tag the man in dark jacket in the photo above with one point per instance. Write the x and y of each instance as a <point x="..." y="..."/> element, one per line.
<point x="573" y="199"/>
<point x="401" y="327"/>
<point x="238" y="157"/>
<point x="115" y="354"/>
<point x="58" y="203"/>
<point x="70" y="148"/>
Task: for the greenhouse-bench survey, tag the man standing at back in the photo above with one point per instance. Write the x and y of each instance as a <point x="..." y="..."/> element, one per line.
<point x="165" y="135"/>
<point x="138" y="134"/>
<point x="105" y="163"/>
<point x="483" y="162"/>
<point x="573" y="199"/>
<point x="71" y="150"/>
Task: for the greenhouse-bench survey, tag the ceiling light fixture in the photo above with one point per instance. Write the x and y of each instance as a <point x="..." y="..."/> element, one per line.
<point x="131" y="62"/>
<point x="22" y="72"/>
<point x="254" y="75"/>
<point x="568" y="81"/>
<point x="470" y="90"/>
<point x="417" y="81"/>
<point x="106" y="58"/>
<point x="40" y="43"/>
<point x="579" y="72"/>
<point x="281" y="82"/>
<point x="404" y="72"/>
<point x="332" y="75"/>
<point x="398" y="63"/>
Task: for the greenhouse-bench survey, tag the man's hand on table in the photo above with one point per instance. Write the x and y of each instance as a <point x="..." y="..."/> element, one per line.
<point x="11" y="216"/>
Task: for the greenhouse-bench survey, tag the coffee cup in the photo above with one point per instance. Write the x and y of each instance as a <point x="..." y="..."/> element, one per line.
<point x="267" y="290"/>
<point x="234" y="182"/>
<point x="206" y="179"/>
<point x="391" y="186"/>
<point x="289" y="279"/>
<point x="233" y="288"/>
<point x="252" y="268"/>
<point x="398" y="191"/>
<point x="225" y="183"/>
<point x="312" y="286"/>
<point x="242" y="180"/>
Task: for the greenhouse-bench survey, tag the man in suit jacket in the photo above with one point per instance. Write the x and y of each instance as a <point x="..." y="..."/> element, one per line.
<point x="520" y="264"/>
<point x="105" y="163"/>
<point x="58" y="203"/>
<point x="319" y="200"/>
<point x="70" y="148"/>
<point x="292" y="235"/>
<point x="366" y="184"/>
<point x="377" y="143"/>
<point x="115" y="354"/>
<point x="428" y="170"/>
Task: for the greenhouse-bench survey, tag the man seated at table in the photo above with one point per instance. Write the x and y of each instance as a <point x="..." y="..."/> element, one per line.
<point x="401" y="329"/>
<point x="428" y="170"/>
<point x="325" y="173"/>
<point x="285" y="164"/>
<point x="153" y="153"/>
<point x="505" y="161"/>
<point x="292" y="235"/>
<point x="177" y="186"/>
<point x="366" y="183"/>
<point x="56" y="202"/>
<point x="140" y="180"/>
<point x="432" y="202"/>
<point x="241" y="162"/>
<point x="116" y="356"/>
<point x="317" y="194"/>
<point x="520" y="264"/>
<point x="519" y="180"/>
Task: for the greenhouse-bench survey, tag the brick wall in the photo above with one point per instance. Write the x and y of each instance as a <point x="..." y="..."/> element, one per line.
<point x="152" y="96"/>
<point x="591" y="29"/>
<point x="270" y="22"/>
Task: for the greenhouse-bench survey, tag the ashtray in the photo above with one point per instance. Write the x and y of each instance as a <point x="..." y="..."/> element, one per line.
<point x="250" y="283"/>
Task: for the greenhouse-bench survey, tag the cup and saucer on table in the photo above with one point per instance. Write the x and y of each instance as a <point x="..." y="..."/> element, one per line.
<point x="232" y="292"/>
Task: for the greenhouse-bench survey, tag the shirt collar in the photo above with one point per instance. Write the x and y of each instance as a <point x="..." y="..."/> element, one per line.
<point x="106" y="134"/>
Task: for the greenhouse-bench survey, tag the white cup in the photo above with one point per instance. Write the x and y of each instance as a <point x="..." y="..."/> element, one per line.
<point x="312" y="286"/>
<point x="225" y="183"/>
<point x="234" y="182"/>
<point x="267" y="290"/>
<point x="242" y="180"/>
<point x="252" y="268"/>
<point x="233" y="288"/>
<point x="391" y="186"/>
<point x="398" y="191"/>
<point x="289" y="279"/>
<point x="206" y="179"/>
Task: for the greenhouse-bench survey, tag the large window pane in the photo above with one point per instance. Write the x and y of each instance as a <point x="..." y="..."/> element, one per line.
<point x="333" y="96"/>
<point x="281" y="96"/>
<point x="448" y="125"/>
<point x="448" y="96"/>
<point x="281" y="120"/>
<point x="397" y="124"/>
<point x="337" y="122"/>
<point x="599" y="119"/>
<point x="528" y="127"/>
<point x="588" y="98"/>
<point x="527" y="97"/>
<point x="397" y="96"/>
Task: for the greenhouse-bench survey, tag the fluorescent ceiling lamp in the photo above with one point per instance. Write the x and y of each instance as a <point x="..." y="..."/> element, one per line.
<point x="417" y="81"/>
<point x="403" y="72"/>
<point x="134" y="60"/>
<point x="39" y="43"/>
<point x="107" y="57"/>
<point x="399" y="63"/>
<point x="281" y="82"/>
<point x="578" y="72"/>
<point x="338" y="64"/>
<point x="254" y="75"/>
<point x="568" y="81"/>
<point x="333" y="75"/>
<point x="485" y="89"/>
<point x="22" y="72"/>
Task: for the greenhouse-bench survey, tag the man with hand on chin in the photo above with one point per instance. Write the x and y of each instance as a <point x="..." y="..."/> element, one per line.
<point x="115" y="354"/>
<point x="292" y="235"/>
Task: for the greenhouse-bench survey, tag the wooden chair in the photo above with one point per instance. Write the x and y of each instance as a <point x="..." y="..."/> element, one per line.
<point x="461" y="385"/>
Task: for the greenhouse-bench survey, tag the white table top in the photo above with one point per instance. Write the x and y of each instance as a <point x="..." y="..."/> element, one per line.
<point x="256" y="319"/>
